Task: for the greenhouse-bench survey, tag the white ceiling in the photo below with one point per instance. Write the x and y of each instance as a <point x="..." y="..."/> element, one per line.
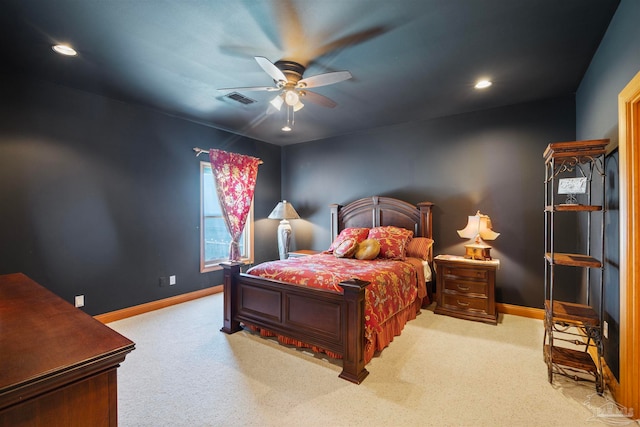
<point x="410" y="59"/>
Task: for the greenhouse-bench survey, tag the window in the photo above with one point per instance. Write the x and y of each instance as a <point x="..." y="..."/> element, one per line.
<point x="214" y="237"/>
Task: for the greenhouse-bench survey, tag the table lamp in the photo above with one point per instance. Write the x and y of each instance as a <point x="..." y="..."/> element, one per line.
<point x="284" y="211"/>
<point x="478" y="229"/>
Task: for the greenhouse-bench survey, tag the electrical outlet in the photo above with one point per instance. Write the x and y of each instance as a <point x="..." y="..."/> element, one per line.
<point x="172" y="280"/>
<point x="79" y="301"/>
<point x="605" y="329"/>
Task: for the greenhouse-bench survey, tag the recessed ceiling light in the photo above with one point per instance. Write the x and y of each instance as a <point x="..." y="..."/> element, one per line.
<point x="483" y="84"/>
<point x="64" y="49"/>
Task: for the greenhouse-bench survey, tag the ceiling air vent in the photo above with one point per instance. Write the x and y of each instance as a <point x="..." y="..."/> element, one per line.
<point x="240" y="98"/>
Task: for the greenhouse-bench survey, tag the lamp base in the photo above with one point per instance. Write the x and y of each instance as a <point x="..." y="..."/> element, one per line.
<point x="284" y="236"/>
<point x="478" y="252"/>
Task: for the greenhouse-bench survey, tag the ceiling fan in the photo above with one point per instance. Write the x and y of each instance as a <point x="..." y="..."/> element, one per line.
<point x="287" y="76"/>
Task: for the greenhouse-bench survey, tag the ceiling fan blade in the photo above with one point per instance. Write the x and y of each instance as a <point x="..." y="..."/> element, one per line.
<point x="316" y="98"/>
<point x="270" y="68"/>
<point x="350" y="40"/>
<point x="324" y="79"/>
<point x="249" y="89"/>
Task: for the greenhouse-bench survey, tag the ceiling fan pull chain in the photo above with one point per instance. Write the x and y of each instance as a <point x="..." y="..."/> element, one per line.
<point x="289" y="124"/>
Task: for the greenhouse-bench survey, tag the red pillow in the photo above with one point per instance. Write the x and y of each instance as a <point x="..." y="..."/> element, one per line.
<point x="419" y="247"/>
<point x="393" y="241"/>
<point x="347" y="248"/>
<point x="356" y="233"/>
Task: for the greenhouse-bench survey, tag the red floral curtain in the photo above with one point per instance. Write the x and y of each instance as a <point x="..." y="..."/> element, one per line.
<point x="235" y="178"/>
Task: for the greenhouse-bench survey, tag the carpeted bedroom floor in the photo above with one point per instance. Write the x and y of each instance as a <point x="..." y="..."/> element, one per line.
<point x="440" y="372"/>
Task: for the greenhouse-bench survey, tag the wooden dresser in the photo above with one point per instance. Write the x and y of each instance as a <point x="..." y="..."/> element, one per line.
<point x="466" y="288"/>
<point x="57" y="363"/>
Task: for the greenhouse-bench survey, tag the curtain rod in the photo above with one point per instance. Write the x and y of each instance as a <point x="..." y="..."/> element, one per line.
<point x="201" y="151"/>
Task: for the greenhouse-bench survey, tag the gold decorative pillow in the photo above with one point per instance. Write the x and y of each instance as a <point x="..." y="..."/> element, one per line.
<point x="346" y="248"/>
<point x="368" y="249"/>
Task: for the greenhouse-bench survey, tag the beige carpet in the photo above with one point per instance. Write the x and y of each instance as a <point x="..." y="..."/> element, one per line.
<point x="440" y="372"/>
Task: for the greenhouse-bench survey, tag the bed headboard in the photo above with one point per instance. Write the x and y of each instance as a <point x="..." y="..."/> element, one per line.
<point x="380" y="211"/>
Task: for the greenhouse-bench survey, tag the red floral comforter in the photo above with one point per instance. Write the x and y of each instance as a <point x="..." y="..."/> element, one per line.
<point x="394" y="284"/>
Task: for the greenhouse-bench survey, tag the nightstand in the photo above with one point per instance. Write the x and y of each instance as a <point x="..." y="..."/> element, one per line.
<point x="466" y="288"/>
<point x="302" y="252"/>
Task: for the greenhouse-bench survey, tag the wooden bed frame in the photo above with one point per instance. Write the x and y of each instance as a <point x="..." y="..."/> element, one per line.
<point x="319" y="317"/>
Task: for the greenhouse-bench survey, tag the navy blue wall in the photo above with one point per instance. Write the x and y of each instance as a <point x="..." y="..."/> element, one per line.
<point x="489" y="160"/>
<point x="615" y="63"/>
<point x="101" y="198"/>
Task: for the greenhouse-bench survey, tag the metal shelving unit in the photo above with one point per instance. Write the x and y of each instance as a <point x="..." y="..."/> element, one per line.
<point x="573" y="328"/>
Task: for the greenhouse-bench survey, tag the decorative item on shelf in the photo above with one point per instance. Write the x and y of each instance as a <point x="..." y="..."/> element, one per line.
<point x="478" y="229"/>
<point x="284" y="211"/>
<point x="571" y="187"/>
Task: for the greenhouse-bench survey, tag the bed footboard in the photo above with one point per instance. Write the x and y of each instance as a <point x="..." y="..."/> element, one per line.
<point x="322" y="318"/>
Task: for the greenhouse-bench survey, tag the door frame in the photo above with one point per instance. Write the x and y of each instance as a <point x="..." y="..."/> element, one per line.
<point x="629" y="138"/>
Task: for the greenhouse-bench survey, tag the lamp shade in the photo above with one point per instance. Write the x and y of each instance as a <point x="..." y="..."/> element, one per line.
<point x="284" y="210"/>
<point x="478" y="225"/>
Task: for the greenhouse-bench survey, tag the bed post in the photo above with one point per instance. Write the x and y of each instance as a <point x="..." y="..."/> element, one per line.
<point x="426" y="221"/>
<point x="353" y="329"/>
<point x="231" y="271"/>
<point x="334" y="221"/>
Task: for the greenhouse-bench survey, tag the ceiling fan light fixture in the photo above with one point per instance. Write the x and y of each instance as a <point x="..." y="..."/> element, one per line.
<point x="483" y="84"/>
<point x="277" y="102"/>
<point x="291" y="98"/>
<point x="298" y="106"/>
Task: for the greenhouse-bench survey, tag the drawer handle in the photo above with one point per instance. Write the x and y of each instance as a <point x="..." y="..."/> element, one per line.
<point x="463" y="288"/>
<point x="464" y="304"/>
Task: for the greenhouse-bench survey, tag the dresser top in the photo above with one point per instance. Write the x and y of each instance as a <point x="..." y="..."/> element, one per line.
<point x="456" y="258"/>
<point x="43" y="337"/>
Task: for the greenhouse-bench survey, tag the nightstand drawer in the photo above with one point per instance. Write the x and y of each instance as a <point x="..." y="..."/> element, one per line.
<point x="466" y="287"/>
<point x="461" y="302"/>
<point x="474" y="273"/>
